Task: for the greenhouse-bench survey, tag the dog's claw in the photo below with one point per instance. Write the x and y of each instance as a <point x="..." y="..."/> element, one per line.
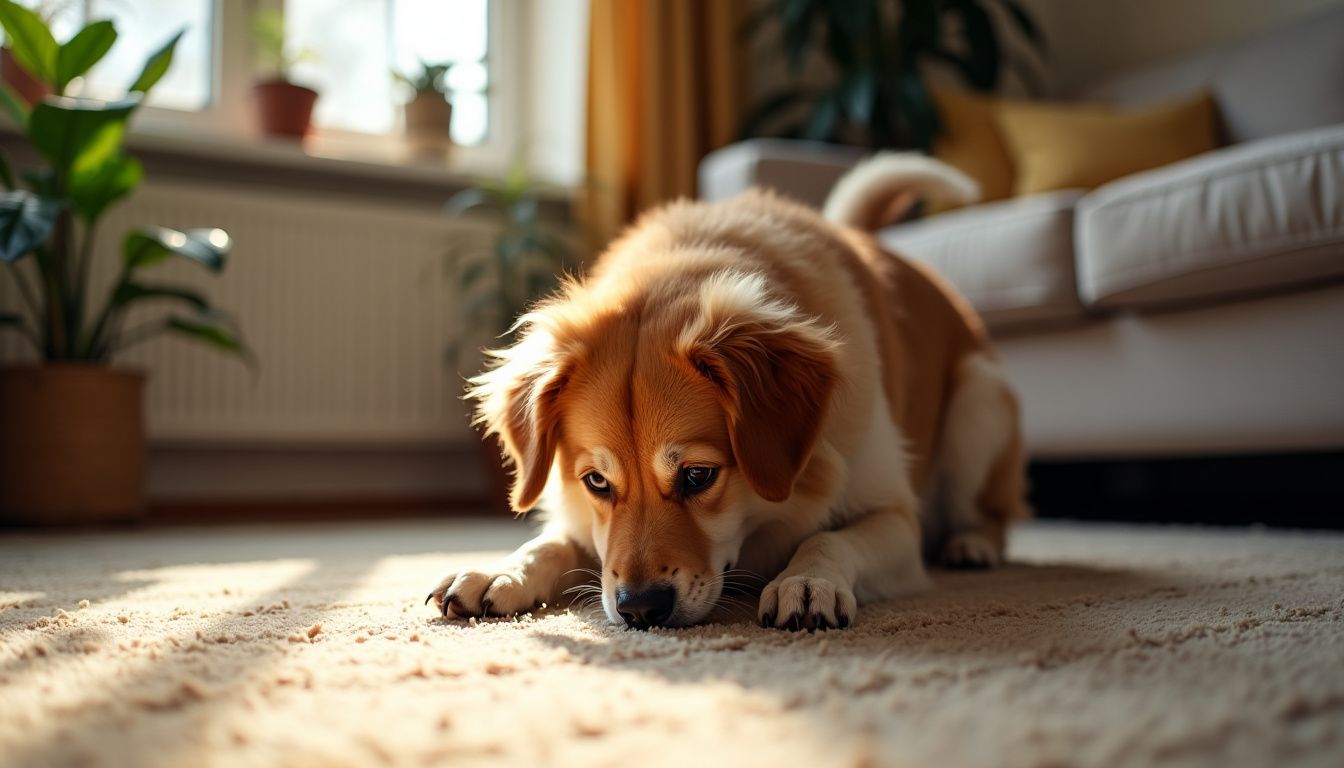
<point x="768" y="620"/>
<point x="795" y="623"/>
<point x="486" y="605"/>
<point x="843" y="621"/>
<point x="429" y="597"/>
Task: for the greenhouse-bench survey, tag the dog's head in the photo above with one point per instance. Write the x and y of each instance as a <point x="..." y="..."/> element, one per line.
<point x="661" y="416"/>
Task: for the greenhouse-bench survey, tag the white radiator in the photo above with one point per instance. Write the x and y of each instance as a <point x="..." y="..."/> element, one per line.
<point x="348" y="306"/>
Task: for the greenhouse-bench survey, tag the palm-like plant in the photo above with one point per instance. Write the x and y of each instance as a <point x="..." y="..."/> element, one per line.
<point x="877" y="94"/>
<point x="432" y="78"/>
<point x="500" y="278"/>
<point x="51" y="225"/>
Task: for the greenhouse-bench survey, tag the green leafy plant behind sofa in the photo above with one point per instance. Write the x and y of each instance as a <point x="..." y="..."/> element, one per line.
<point x="873" y="89"/>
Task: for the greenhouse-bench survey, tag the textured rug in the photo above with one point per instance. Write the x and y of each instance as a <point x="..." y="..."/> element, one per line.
<point x="310" y="646"/>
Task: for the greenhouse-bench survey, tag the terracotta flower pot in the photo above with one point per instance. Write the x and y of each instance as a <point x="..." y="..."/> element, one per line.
<point x="429" y="120"/>
<point x="284" y="109"/>
<point x="29" y="88"/>
<point x="72" y="445"/>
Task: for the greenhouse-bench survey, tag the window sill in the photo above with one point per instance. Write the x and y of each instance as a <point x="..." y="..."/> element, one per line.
<point x="332" y="164"/>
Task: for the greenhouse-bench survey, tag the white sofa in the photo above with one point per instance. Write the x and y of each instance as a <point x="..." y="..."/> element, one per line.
<point x="1196" y="308"/>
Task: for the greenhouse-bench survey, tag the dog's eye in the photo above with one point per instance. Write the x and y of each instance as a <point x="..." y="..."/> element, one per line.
<point x="696" y="479"/>
<point x="597" y="483"/>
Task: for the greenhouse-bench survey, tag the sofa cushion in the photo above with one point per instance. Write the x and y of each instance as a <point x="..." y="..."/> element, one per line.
<point x="1054" y="146"/>
<point x="1290" y="79"/>
<point x="1013" y="260"/>
<point x="1251" y="218"/>
<point x="970" y="141"/>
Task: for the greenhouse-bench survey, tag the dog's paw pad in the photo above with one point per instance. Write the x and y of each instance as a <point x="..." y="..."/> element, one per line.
<point x="809" y="603"/>
<point x="970" y="550"/>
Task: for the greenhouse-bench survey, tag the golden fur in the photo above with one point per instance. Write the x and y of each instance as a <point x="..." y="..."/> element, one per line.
<point x="808" y="367"/>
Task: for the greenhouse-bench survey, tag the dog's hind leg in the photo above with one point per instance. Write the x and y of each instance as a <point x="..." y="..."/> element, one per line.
<point x="981" y="479"/>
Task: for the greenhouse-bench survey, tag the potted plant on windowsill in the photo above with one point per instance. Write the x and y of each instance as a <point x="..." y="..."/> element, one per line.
<point x="498" y="279"/>
<point x="284" y="108"/>
<point x="71" y="426"/>
<point x="429" y="114"/>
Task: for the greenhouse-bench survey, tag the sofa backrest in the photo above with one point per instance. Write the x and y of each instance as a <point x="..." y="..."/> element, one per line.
<point x="1290" y="79"/>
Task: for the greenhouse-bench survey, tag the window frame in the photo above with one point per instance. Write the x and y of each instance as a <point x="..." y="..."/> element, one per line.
<point x="229" y="117"/>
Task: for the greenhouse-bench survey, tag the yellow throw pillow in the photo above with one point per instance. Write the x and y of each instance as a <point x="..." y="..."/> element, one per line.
<point x="970" y="142"/>
<point x="1066" y="146"/>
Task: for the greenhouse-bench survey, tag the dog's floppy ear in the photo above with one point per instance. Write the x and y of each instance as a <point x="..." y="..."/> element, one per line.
<point x="774" y="371"/>
<point x="517" y="399"/>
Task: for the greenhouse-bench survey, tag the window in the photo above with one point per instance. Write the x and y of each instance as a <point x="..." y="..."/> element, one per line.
<point x="355" y="45"/>
<point x="143" y="26"/>
<point x="516" y="82"/>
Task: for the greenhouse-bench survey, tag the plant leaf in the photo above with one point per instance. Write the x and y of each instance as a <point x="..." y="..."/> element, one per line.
<point x="79" y="134"/>
<point x="82" y="51"/>
<point x="15" y="107"/>
<point x="128" y="293"/>
<point x="6" y="175"/>
<point x="216" y="334"/>
<point x="796" y="31"/>
<point x="30" y="40"/>
<point x="983" y="46"/>
<point x="466" y="200"/>
<point x="1026" y="24"/>
<point x="860" y="91"/>
<point x="93" y="190"/>
<point x="920" y="117"/>
<point x="157" y="65"/>
<point x="152" y="245"/>
<point x="821" y="125"/>
<point x="25" y="222"/>
<point x="756" y="121"/>
<point x="41" y="180"/>
<point x="471" y="274"/>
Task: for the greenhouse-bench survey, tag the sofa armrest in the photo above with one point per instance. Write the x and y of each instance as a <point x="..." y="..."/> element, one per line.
<point x="802" y="170"/>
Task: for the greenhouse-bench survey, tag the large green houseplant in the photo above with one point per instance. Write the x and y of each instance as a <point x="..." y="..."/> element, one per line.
<point x="71" y="434"/>
<point x="873" y="90"/>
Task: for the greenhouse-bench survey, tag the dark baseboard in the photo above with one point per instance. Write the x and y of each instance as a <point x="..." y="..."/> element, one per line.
<point x="247" y="511"/>
<point x="1303" y="490"/>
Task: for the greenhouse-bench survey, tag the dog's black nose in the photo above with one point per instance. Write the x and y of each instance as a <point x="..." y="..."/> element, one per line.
<point x="649" y="607"/>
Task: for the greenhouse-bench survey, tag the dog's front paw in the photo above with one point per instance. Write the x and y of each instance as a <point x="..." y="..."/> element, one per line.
<point x="500" y="591"/>
<point x="806" y="602"/>
<point x="970" y="549"/>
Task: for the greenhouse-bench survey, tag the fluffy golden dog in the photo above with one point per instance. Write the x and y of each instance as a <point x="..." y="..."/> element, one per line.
<point x="750" y="388"/>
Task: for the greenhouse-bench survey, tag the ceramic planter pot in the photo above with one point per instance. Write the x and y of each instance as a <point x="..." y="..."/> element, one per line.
<point x="72" y="445"/>
<point x="284" y="109"/>
<point x="429" y="119"/>
<point x="29" y="88"/>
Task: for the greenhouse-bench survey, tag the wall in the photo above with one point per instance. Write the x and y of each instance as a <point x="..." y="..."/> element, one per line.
<point x="1090" y="39"/>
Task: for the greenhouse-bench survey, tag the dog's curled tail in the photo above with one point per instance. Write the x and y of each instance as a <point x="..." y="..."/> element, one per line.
<point x="881" y="188"/>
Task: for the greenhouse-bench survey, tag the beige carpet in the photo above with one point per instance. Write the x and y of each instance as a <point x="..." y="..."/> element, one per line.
<point x="310" y="646"/>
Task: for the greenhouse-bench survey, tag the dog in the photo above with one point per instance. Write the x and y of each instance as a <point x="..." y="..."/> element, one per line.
<point x="750" y="389"/>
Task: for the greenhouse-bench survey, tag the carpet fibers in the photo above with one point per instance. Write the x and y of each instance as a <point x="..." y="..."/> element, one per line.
<point x="1099" y="645"/>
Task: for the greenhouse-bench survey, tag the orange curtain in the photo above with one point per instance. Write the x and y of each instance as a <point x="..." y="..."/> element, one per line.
<point x="664" y="88"/>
